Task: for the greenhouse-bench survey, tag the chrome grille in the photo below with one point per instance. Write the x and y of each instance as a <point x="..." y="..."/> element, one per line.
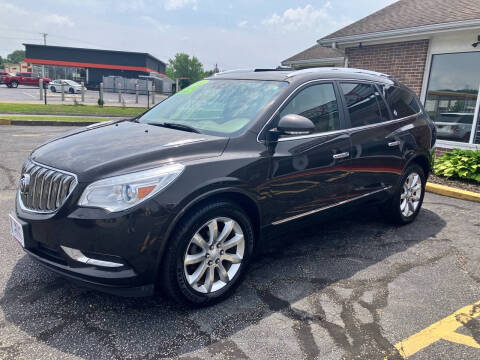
<point x="43" y="189"/>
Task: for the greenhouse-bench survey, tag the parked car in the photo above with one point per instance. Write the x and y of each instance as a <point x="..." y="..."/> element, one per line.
<point x="24" y="78"/>
<point x="69" y="86"/>
<point x="454" y="126"/>
<point x="180" y="196"/>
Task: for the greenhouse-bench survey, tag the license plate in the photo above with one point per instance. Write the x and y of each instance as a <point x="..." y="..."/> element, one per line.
<point x="16" y="230"/>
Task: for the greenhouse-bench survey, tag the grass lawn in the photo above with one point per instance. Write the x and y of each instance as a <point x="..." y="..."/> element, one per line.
<point x="54" y="118"/>
<point x="69" y="109"/>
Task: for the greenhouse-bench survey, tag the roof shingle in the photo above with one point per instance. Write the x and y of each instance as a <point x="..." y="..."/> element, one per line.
<point x="315" y="52"/>
<point x="405" y="14"/>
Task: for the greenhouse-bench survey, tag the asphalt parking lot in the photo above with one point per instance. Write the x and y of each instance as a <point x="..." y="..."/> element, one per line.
<point x="355" y="288"/>
<point x="31" y="94"/>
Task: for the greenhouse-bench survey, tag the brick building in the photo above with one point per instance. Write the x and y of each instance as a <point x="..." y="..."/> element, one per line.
<point x="432" y="46"/>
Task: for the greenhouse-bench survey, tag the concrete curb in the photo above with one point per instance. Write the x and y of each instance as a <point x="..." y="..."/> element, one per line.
<point x="46" y="122"/>
<point x="452" y="192"/>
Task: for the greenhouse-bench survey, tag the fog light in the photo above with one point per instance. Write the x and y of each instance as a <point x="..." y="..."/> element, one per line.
<point x="77" y="255"/>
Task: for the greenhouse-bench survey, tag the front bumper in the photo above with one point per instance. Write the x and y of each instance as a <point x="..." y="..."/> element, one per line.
<point x="126" y="239"/>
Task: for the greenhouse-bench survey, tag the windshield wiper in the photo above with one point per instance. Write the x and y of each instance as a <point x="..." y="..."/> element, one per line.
<point x="177" y="126"/>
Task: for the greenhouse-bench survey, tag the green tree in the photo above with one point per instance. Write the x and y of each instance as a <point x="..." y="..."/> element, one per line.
<point x="182" y="65"/>
<point x="16" y="57"/>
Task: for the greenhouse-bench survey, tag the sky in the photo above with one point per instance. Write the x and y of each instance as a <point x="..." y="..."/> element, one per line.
<point x="232" y="34"/>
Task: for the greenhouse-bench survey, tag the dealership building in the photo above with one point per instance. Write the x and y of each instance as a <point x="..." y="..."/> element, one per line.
<point x="432" y="46"/>
<point x="91" y="65"/>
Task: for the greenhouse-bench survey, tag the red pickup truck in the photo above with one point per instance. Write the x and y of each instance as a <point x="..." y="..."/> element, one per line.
<point x="24" y="78"/>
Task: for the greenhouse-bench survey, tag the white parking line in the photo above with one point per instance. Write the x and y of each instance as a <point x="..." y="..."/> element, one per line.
<point x="29" y="95"/>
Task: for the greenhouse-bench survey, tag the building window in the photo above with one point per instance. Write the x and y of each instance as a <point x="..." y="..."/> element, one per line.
<point x="452" y="95"/>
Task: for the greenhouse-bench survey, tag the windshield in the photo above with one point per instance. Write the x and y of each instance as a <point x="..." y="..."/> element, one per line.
<point x="216" y="107"/>
<point x="73" y="83"/>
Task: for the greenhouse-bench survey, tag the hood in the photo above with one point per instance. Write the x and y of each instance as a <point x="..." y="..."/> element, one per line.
<point x="109" y="149"/>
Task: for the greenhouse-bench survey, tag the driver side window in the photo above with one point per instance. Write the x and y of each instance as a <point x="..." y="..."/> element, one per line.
<point x="317" y="103"/>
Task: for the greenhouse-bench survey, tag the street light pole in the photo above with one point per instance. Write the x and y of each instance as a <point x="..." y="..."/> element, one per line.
<point x="45" y="44"/>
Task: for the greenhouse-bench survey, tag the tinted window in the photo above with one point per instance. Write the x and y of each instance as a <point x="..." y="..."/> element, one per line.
<point x="319" y="104"/>
<point x="26" y="75"/>
<point x="383" y="106"/>
<point x="401" y="101"/>
<point x="362" y="104"/>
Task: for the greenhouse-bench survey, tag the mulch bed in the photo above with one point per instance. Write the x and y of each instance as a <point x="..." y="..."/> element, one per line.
<point x="460" y="184"/>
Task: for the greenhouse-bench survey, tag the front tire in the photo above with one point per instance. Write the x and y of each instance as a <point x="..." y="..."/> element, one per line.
<point x="53" y="89"/>
<point x="208" y="254"/>
<point x="71" y="91"/>
<point x="14" y="84"/>
<point x="405" y="204"/>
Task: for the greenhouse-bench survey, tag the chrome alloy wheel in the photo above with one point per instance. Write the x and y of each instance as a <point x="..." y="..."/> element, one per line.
<point x="214" y="255"/>
<point x="411" y="194"/>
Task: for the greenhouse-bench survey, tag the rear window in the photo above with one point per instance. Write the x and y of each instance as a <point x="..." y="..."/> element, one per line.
<point x="401" y="101"/>
<point x="362" y="104"/>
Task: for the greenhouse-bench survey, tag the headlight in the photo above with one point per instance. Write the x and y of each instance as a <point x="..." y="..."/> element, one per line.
<point x="122" y="192"/>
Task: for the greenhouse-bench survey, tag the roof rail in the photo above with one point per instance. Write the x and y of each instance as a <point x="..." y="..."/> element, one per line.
<point x="275" y="69"/>
<point x="234" y="71"/>
<point x="351" y="70"/>
<point x="253" y="70"/>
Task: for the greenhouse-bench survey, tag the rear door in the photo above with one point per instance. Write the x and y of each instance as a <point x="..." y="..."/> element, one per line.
<point x="308" y="173"/>
<point x="376" y="154"/>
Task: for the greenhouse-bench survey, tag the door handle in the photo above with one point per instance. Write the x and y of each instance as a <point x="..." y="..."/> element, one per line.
<point x="341" y="155"/>
<point x="394" y="143"/>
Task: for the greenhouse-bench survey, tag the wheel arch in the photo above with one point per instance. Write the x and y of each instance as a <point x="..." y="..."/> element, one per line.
<point x="422" y="161"/>
<point x="238" y="196"/>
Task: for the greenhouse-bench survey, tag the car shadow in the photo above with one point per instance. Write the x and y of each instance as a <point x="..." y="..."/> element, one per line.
<point x="292" y="275"/>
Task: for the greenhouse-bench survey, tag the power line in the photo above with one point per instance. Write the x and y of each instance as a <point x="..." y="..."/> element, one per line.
<point x="15" y="38"/>
<point x="73" y="39"/>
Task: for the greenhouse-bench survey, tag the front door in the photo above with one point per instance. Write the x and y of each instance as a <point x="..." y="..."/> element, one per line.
<point x="309" y="173"/>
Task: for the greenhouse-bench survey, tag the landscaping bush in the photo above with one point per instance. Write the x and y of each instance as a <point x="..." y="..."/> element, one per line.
<point x="460" y="164"/>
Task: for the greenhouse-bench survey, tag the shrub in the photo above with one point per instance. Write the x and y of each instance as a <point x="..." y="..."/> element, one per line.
<point x="461" y="164"/>
<point x="100" y="102"/>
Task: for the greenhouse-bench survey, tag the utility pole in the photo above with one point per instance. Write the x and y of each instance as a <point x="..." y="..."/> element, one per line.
<point x="44" y="43"/>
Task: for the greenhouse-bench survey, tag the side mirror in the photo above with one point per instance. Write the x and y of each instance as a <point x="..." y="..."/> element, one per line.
<point x="293" y="124"/>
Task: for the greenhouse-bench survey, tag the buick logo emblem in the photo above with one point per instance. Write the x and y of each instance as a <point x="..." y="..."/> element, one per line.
<point x="25" y="183"/>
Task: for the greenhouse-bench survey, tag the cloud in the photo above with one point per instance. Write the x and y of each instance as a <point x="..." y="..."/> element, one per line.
<point x="242" y="23"/>
<point x="178" y="4"/>
<point x="11" y="9"/>
<point x="58" y="20"/>
<point x="157" y="25"/>
<point x="131" y="5"/>
<point x="300" y="18"/>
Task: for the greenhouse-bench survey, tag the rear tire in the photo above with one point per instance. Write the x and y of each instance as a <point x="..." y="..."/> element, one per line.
<point x="52" y="89"/>
<point x="200" y="272"/>
<point x="405" y="204"/>
<point x="14" y="84"/>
